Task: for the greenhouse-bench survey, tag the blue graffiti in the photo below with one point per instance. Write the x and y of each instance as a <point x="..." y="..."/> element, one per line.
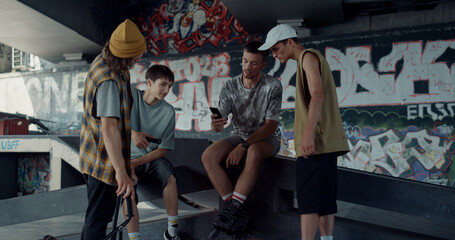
<point x="10" y="144"/>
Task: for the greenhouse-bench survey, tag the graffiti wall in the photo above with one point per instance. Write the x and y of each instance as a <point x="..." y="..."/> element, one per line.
<point x="180" y="26"/>
<point x="396" y="91"/>
<point x="33" y="173"/>
<point x="5" y="58"/>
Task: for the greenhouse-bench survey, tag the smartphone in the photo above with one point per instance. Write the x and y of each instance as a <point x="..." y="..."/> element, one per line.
<point x="153" y="140"/>
<point x="216" y="111"/>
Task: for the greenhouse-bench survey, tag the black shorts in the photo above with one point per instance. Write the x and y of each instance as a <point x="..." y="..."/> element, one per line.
<point x="235" y="140"/>
<point x="160" y="168"/>
<point x="317" y="184"/>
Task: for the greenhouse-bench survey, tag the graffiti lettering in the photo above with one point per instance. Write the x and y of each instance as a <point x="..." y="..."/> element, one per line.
<point x="394" y="153"/>
<point x="193" y="99"/>
<point x="10" y="144"/>
<point x="285" y="77"/>
<point x="391" y="87"/>
<point x="435" y="111"/>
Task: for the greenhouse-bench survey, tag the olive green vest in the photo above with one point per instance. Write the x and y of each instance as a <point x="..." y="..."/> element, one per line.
<point x="329" y="135"/>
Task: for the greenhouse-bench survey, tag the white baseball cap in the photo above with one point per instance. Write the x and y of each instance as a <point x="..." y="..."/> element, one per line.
<point x="278" y="33"/>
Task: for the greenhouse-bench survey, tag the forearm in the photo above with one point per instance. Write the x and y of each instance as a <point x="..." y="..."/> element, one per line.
<point x="112" y="141"/>
<point x="153" y="155"/>
<point x="314" y="112"/>
<point x="263" y="132"/>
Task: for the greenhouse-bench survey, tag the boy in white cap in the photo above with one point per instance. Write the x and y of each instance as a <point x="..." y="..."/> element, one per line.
<point x="105" y="133"/>
<point x="318" y="132"/>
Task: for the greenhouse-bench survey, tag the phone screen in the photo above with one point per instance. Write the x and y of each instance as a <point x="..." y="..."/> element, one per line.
<point x="216" y="111"/>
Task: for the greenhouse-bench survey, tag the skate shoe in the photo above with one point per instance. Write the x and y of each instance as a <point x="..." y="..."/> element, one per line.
<point x="240" y="222"/>
<point x="227" y="216"/>
<point x="167" y="236"/>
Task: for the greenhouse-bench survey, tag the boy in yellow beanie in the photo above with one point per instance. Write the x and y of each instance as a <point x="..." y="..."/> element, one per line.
<point x="106" y="133"/>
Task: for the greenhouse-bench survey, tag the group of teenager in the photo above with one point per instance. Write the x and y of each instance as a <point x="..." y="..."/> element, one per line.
<point x="118" y="123"/>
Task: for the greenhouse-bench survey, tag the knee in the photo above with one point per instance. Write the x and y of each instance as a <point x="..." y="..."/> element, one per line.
<point x="171" y="181"/>
<point x="208" y="159"/>
<point x="254" y="158"/>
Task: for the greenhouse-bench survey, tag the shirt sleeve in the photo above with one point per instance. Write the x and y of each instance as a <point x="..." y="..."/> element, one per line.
<point x="224" y="104"/>
<point x="108" y="100"/>
<point x="135" y="118"/>
<point x="274" y="106"/>
<point x="168" y="140"/>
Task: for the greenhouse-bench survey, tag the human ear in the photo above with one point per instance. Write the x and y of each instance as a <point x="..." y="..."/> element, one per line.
<point x="291" y="42"/>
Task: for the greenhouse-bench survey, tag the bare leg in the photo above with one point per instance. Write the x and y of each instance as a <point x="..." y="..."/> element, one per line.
<point x="133" y="225"/>
<point x="309" y="225"/>
<point x="211" y="158"/>
<point x="170" y="196"/>
<point x="255" y="156"/>
<point x="326" y="225"/>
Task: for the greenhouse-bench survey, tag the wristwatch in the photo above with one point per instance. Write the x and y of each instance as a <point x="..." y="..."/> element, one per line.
<point x="245" y="144"/>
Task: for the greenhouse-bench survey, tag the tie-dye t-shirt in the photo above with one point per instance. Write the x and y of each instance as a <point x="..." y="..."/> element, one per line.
<point x="251" y="107"/>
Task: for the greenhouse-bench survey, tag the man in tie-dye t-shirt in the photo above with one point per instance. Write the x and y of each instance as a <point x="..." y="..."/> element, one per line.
<point x="254" y="100"/>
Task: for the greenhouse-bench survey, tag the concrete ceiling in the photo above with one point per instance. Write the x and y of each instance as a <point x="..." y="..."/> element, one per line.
<point x="260" y="16"/>
<point x="30" y="31"/>
<point x="35" y="32"/>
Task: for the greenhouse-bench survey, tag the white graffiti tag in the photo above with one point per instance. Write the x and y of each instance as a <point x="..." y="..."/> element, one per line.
<point x="389" y="152"/>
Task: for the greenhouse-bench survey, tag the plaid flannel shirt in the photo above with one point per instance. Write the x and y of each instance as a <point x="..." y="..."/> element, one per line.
<point x="94" y="159"/>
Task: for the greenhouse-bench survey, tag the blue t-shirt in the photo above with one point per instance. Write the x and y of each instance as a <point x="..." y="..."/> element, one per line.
<point x="157" y="120"/>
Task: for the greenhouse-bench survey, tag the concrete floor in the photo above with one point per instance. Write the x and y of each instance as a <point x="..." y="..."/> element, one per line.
<point x="69" y="227"/>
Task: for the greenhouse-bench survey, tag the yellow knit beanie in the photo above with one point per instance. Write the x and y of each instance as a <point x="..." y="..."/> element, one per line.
<point x="127" y="41"/>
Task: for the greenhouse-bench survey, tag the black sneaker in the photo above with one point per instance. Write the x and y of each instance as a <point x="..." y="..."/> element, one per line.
<point x="227" y="216"/>
<point x="241" y="222"/>
<point x="168" y="237"/>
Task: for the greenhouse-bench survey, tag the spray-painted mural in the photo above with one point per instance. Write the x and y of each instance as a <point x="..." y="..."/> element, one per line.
<point x="180" y="26"/>
<point x="32" y="173"/>
<point x="396" y="92"/>
<point x="5" y="58"/>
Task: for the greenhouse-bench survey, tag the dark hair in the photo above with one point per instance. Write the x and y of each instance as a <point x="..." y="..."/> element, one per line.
<point x="252" y="47"/>
<point x="116" y="64"/>
<point x="284" y="41"/>
<point x="159" y="71"/>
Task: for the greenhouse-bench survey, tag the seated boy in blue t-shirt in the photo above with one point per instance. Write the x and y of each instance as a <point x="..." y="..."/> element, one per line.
<point x="153" y="117"/>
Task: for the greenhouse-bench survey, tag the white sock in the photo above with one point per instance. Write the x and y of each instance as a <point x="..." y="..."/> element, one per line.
<point x="326" y="237"/>
<point x="172" y="225"/>
<point x="134" y="236"/>
<point x="227" y="196"/>
<point x="239" y="197"/>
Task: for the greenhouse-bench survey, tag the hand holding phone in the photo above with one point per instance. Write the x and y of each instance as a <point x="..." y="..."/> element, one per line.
<point x="216" y="111"/>
<point x="153" y="140"/>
